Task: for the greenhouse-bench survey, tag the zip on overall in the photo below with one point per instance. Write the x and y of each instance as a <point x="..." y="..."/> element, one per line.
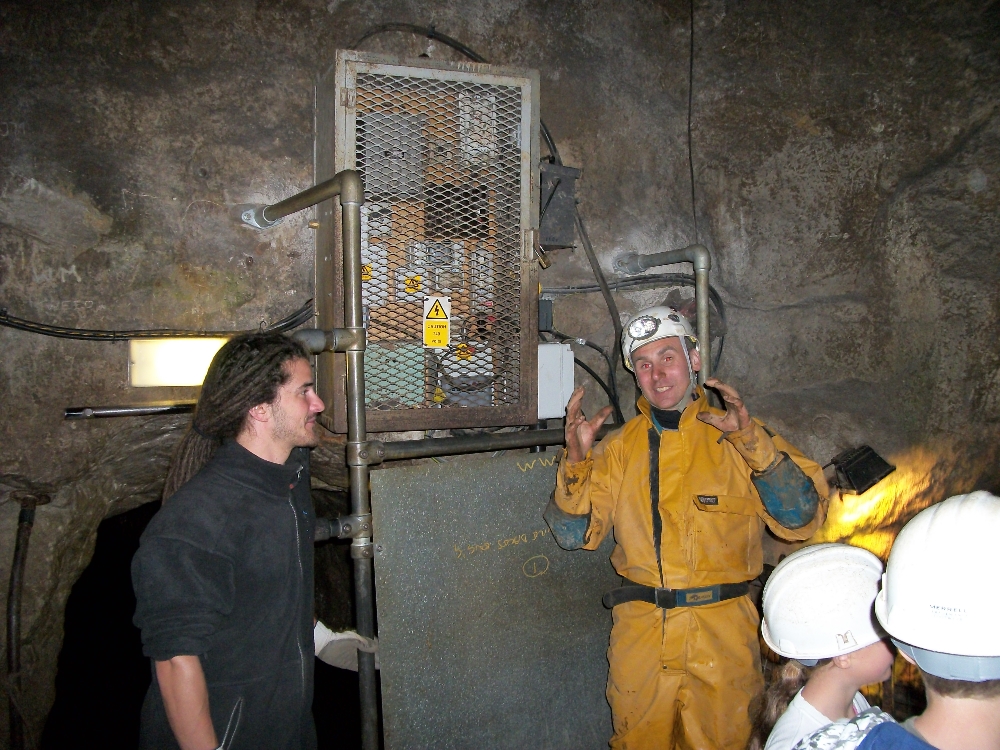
<point x="298" y="557"/>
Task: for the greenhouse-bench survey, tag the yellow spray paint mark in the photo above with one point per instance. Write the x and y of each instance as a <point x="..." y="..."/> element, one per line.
<point x="540" y="461"/>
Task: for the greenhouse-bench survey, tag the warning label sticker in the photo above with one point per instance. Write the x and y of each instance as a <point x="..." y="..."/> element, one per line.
<point x="437" y="322"/>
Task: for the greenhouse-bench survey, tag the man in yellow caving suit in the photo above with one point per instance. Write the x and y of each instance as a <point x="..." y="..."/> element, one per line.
<point x="684" y="656"/>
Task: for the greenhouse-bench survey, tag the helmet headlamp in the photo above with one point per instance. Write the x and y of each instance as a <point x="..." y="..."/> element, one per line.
<point x="643" y="327"/>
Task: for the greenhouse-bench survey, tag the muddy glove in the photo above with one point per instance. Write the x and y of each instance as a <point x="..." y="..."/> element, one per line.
<point x="745" y="435"/>
<point x="341" y="649"/>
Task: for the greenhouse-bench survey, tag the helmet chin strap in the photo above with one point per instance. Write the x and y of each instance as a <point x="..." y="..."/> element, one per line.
<point x="686" y="399"/>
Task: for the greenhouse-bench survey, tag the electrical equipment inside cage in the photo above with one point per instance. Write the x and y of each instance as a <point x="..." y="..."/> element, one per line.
<point x="448" y="158"/>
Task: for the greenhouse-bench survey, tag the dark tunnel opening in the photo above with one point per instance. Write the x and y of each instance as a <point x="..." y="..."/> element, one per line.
<point x="103" y="676"/>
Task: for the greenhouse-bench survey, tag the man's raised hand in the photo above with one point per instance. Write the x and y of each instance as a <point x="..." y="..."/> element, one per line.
<point x="580" y="431"/>
<point x="736" y="417"/>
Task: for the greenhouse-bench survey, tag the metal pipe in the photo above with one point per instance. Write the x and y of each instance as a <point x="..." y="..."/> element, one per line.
<point x="696" y="255"/>
<point x="347" y="184"/>
<point x="357" y="457"/>
<point x="146" y="410"/>
<point x="25" y="522"/>
<point x="482" y="443"/>
<point x="350" y="191"/>
<point x="542" y="424"/>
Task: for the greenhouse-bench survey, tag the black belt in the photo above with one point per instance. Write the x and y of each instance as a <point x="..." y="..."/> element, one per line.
<point x="671" y="598"/>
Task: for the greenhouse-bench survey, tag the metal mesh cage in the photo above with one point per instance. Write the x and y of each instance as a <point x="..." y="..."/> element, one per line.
<point x="445" y="159"/>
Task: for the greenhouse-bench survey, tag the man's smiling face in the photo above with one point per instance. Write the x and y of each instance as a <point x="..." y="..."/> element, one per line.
<point x="662" y="371"/>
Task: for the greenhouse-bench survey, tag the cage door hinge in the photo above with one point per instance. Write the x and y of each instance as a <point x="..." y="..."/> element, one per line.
<point x="348" y="97"/>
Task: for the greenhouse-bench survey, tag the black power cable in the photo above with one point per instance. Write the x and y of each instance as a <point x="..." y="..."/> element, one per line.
<point x="611" y="392"/>
<point x="656" y="280"/>
<point x="289" y="322"/>
<point x="431" y="33"/>
<point x="694" y="212"/>
<point x="600" y="382"/>
<point x="619" y="418"/>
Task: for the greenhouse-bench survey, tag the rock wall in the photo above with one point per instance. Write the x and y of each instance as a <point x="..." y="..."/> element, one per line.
<point x="846" y="171"/>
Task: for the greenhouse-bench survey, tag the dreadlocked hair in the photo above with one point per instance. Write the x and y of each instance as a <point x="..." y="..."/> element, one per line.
<point x="248" y="370"/>
<point x="786" y="681"/>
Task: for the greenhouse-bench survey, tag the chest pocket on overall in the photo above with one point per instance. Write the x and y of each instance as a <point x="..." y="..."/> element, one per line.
<point x="726" y="532"/>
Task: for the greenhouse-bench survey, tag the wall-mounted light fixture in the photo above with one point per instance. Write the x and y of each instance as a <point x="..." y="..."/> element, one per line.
<point x="859" y="469"/>
<point x="180" y="361"/>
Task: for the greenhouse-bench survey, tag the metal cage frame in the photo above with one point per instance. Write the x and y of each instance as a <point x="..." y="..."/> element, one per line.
<point x="335" y="123"/>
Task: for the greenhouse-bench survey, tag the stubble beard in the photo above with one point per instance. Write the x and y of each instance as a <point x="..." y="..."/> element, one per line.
<point x="304" y="437"/>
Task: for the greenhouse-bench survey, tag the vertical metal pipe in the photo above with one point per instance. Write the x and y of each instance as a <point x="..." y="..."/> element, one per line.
<point x="704" y="332"/>
<point x="542" y="424"/>
<point x="25" y="522"/>
<point x="351" y="197"/>
<point x="697" y="256"/>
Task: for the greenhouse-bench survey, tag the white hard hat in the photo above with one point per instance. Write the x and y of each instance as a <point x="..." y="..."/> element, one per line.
<point x="940" y="601"/>
<point x="818" y="603"/>
<point x="653" y="324"/>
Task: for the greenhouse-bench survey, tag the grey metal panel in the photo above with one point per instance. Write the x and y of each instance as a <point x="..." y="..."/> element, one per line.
<point x="491" y="636"/>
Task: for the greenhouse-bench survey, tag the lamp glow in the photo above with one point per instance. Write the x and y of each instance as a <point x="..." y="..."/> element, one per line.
<point x="155" y="362"/>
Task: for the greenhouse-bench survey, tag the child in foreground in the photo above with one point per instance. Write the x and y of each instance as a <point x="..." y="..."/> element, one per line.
<point x="818" y="613"/>
<point x="940" y="602"/>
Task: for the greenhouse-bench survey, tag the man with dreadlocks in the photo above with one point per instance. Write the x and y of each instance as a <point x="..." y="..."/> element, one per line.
<point x="224" y="573"/>
<point x="687" y="490"/>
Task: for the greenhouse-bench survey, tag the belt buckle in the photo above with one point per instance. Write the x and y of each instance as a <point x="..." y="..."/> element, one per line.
<point x="665" y="598"/>
<point x="699" y="596"/>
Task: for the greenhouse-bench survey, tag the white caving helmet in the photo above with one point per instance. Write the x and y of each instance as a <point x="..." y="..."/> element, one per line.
<point x="818" y="603"/>
<point x="653" y="324"/>
<point x="939" y="600"/>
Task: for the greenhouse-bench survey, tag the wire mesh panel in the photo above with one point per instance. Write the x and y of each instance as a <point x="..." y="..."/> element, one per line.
<point x="445" y="154"/>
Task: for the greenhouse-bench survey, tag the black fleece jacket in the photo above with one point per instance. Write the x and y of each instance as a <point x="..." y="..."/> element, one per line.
<point x="224" y="571"/>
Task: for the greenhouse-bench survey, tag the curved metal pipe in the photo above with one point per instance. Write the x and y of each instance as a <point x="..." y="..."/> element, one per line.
<point x="697" y="256"/>
<point x="346" y="184"/>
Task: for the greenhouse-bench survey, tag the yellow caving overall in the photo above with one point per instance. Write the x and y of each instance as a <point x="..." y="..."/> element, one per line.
<point x="681" y="677"/>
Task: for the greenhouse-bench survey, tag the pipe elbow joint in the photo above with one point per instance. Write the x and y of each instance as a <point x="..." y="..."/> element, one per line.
<point x="351" y="189"/>
<point x="700" y="258"/>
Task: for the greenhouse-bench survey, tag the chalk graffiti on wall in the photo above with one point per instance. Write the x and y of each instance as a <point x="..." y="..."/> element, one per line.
<point x="11" y="129"/>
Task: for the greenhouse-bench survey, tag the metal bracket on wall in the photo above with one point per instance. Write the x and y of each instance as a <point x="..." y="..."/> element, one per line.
<point x="336" y="340"/>
<point x="362" y="549"/>
<point x="364" y="453"/>
<point x="345" y="527"/>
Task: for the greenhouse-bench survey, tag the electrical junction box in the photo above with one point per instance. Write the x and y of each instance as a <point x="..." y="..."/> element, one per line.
<point x="448" y="156"/>
<point x="558" y="206"/>
<point x="555" y="380"/>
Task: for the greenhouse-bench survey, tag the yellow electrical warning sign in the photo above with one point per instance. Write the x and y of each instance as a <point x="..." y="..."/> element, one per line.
<point x="437" y="322"/>
<point x="437" y="310"/>
<point x="366" y="271"/>
<point x="413" y="284"/>
<point x="464" y="352"/>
